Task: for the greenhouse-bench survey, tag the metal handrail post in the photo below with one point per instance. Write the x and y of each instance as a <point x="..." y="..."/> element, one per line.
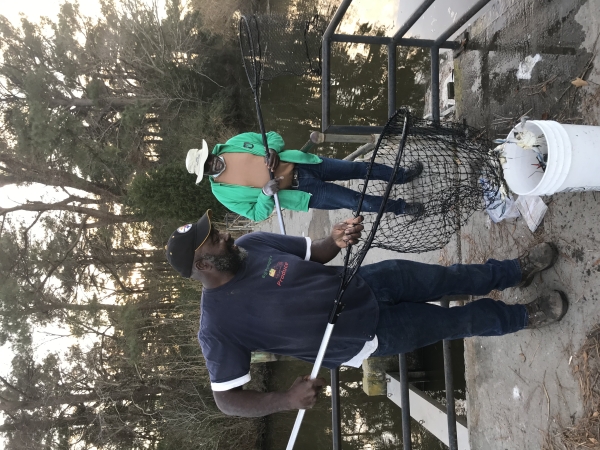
<point x="381" y="40"/>
<point x="391" y="48"/>
<point x="326" y="60"/>
<point x="336" y="417"/>
<point x="435" y="83"/>
<point x="449" y="384"/>
<point x="404" y="403"/>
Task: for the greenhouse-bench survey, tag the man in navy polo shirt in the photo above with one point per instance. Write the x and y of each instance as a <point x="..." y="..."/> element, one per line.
<point x="269" y="292"/>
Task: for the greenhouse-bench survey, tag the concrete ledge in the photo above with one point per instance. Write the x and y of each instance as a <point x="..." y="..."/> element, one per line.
<point x="374" y="374"/>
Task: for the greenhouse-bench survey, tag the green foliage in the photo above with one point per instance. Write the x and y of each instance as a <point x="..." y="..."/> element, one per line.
<point x="13" y="327"/>
<point x="95" y="88"/>
<point x="170" y="192"/>
<point x="358" y="92"/>
<point x="105" y="111"/>
<point x="110" y="104"/>
<point x="129" y="322"/>
<point x="212" y="122"/>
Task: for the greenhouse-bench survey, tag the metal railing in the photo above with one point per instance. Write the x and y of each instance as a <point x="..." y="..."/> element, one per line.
<point x="235" y="222"/>
<point x="392" y="43"/>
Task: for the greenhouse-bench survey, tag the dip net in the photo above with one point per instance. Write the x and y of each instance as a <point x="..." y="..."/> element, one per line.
<point x="282" y="44"/>
<point x="460" y="176"/>
<point x="279" y="45"/>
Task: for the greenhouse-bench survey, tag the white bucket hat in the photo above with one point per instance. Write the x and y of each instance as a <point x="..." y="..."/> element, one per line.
<point x="194" y="162"/>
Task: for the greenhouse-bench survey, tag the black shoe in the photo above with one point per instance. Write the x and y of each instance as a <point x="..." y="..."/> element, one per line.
<point x="415" y="209"/>
<point x="538" y="258"/>
<point x="413" y="171"/>
<point x="547" y="309"/>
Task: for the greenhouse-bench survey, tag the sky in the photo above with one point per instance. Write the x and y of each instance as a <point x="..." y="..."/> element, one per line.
<point x="394" y="13"/>
<point x="36" y="8"/>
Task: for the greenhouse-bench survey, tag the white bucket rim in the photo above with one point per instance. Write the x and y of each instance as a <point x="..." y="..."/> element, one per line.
<point x="558" y="147"/>
<point x="514" y="147"/>
<point x="555" y="158"/>
<point x="562" y="151"/>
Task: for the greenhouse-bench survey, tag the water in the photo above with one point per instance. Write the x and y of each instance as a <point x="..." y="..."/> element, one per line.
<point x="368" y="423"/>
<point x="292" y="105"/>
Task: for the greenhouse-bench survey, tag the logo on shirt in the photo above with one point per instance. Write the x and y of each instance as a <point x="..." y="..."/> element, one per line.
<point x="278" y="271"/>
<point x="266" y="271"/>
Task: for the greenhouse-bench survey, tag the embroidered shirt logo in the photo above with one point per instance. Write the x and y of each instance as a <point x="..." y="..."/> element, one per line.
<point x="184" y="228"/>
<point x="266" y="271"/>
<point x="278" y="271"/>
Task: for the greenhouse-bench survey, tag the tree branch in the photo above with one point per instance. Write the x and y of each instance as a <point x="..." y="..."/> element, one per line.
<point x="14" y="388"/>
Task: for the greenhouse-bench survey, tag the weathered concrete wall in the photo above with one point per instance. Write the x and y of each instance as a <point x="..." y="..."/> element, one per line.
<point x="521" y="387"/>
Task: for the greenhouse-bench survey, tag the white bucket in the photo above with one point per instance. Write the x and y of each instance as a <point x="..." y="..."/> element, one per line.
<point x="573" y="159"/>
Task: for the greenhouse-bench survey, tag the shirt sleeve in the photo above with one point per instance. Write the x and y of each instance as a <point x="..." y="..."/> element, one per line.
<point x="228" y="364"/>
<point x="275" y="141"/>
<point x="295" y="245"/>
<point x="251" y="202"/>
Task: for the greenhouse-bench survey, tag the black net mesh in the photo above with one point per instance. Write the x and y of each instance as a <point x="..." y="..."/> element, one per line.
<point x="459" y="176"/>
<point x="283" y="45"/>
<point x="250" y="48"/>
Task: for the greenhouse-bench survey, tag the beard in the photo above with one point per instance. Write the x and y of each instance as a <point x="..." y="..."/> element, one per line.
<point x="230" y="262"/>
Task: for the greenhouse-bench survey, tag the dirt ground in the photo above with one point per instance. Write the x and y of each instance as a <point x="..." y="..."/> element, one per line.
<point x="527" y="391"/>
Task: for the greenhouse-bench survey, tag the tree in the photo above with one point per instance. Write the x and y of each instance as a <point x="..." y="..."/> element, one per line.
<point x="89" y="113"/>
<point x="358" y="90"/>
<point x="141" y="384"/>
<point x="170" y="192"/>
<point x="75" y="275"/>
<point x="101" y="113"/>
<point x="86" y="105"/>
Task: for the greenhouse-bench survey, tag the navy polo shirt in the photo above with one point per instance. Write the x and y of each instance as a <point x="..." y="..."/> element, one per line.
<point x="279" y="302"/>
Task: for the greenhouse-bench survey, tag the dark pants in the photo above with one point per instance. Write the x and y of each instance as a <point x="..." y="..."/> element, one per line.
<point x="406" y="322"/>
<point x="314" y="179"/>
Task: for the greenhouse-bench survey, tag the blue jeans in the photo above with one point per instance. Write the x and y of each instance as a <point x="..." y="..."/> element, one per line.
<point x="406" y="322"/>
<point x="313" y="178"/>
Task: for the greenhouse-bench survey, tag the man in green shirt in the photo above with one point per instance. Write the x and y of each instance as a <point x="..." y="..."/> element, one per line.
<point x="238" y="178"/>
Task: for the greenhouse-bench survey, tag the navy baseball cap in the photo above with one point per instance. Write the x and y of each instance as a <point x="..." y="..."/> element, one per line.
<point x="184" y="242"/>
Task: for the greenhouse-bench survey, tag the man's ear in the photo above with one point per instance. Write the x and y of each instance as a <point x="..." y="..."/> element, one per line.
<point x="202" y="265"/>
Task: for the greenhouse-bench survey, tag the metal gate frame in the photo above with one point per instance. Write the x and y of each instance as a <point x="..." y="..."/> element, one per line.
<point x="392" y="42"/>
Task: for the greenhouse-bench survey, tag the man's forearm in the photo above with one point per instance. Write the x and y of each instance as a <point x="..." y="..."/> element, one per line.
<point x="323" y="250"/>
<point x="237" y="402"/>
